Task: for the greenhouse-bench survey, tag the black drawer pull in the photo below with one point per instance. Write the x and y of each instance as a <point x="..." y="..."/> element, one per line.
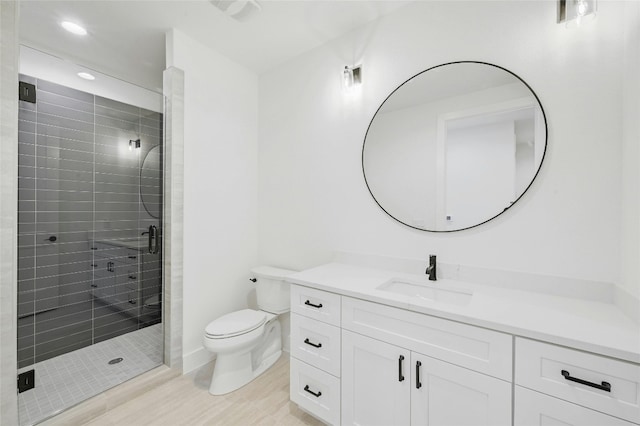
<point x="133" y="277"/>
<point x="94" y="265"/>
<point x="133" y="257"/>
<point x="418" y="365"/>
<point x="400" y="375"/>
<point x="319" y="345"/>
<point x="318" y="306"/>
<point x="605" y="386"/>
<point x="317" y="395"/>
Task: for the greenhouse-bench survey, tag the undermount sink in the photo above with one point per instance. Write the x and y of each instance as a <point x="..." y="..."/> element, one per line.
<point x="429" y="292"/>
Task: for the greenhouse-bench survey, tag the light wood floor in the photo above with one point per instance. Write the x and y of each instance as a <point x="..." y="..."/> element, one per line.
<point x="185" y="400"/>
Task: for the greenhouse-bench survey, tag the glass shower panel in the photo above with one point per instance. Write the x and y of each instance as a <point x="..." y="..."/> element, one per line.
<point x="90" y="270"/>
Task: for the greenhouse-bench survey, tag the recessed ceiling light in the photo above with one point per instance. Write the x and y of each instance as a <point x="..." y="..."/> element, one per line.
<point x="73" y="28"/>
<point x="86" y="76"/>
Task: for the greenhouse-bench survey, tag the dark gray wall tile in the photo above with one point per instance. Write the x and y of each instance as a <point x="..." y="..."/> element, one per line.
<point x="26" y="126"/>
<point x="27" y="115"/>
<point x="114" y="113"/>
<point x="63" y="133"/>
<point x="47" y="86"/>
<point x="57" y="142"/>
<point x="67" y="123"/>
<point x="116" y="133"/>
<point x="26" y="138"/>
<point x="61" y="111"/>
<point x="129" y="126"/>
<point x="53" y="195"/>
<point x="109" y="103"/>
<point x="64" y="101"/>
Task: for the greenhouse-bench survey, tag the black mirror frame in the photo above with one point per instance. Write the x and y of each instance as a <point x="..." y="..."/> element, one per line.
<point x="546" y="141"/>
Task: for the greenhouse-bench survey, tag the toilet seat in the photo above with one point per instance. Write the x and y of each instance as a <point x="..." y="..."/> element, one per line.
<point x="235" y="324"/>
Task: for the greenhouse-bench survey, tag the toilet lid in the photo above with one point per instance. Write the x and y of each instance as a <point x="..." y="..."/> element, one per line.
<point x="236" y="323"/>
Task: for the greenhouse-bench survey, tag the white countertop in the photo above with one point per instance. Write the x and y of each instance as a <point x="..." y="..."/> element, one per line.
<point x="578" y="323"/>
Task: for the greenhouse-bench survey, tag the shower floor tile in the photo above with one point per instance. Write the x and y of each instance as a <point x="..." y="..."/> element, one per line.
<point x="68" y="379"/>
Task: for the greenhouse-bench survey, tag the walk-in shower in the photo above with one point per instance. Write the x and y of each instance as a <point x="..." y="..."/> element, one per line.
<point x="89" y="245"/>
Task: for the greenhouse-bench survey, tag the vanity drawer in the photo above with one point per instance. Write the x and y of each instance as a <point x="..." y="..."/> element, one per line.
<point x="316" y="343"/>
<point x="478" y="349"/>
<point x="558" y="371"/>
<point x="315" y="391"/>
<point x="115" y="252"/>
<point x="316" y="304"/>
<point x="537" y="409"/>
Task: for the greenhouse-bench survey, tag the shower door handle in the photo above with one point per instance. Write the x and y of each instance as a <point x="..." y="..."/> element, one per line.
<point x="153" y="246"/>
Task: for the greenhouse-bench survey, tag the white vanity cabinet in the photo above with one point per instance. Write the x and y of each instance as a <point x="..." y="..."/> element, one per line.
<point x="375" y="382"/>
<point x="389" y="384"/>
<point x="392" y="358"/>
<point x="315" y="352"/>
<point x="115" y="275"/>
<point x="383" y="384"/>
<point x="573" y="387"/>
<point x="395" y="367"/>
<point x="448" y="395"/>
<point x="537" y="409"/>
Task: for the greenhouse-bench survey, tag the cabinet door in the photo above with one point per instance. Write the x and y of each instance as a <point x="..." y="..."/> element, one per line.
<point x="537" y="409"/>
<point x="443" y="394"/>
<point x="375" y="382"/>
<point x="104" y="279"/>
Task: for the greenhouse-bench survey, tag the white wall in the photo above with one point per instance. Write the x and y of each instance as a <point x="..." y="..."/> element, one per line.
<point x="312" y="196"/>
<point x="631" y="151"/>
<point x="51" y="68"/>
<point x="220" y="184"/>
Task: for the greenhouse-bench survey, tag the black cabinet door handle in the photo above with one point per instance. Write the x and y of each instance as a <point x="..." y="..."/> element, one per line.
<point x="418" y="365"/>
<point x="317" y="395"/>
<point x="605" y="386"/>
<point x="319" y="345"/>
<point x="318" y="306"/>
<point x="400" y="362"/>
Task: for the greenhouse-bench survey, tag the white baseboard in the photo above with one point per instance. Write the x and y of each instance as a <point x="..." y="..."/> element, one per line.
<point x="196" y="359"/>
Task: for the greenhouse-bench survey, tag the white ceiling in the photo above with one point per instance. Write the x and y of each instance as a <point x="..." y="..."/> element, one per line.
<point x="126" y="38"/>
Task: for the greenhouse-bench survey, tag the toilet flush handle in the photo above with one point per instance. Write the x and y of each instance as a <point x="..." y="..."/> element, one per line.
<point x="253" y="280"/>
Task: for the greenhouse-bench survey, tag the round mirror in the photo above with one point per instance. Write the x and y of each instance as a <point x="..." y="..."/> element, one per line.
<point x="454" y="146"/>
<point x="151" y="182"/>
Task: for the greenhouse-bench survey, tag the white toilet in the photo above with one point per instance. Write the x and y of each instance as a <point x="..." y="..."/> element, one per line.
<point x="248" y="342"/>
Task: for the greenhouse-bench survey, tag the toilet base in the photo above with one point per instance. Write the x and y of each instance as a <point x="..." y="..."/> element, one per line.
<point x="235" y="369"/>
<point x="237" y="372"/>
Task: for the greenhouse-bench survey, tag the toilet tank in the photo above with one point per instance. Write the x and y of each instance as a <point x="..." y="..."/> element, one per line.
<point x="272" y="291"/>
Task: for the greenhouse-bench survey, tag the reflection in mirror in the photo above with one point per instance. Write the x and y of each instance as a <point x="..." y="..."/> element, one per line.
<point x="151" y="182"/>
<point x="454" y="146"/>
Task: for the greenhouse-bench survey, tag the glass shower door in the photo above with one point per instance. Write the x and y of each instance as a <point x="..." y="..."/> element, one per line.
<point x="90" y="273"/>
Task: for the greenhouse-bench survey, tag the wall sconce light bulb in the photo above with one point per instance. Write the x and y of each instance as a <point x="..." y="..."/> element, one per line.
<point x="134" y="144"/>
<point x="351" y="77"/>
<point x="347" y="78"/>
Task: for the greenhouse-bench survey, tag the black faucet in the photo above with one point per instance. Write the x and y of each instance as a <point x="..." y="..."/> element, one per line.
<point x="431" y="269"/>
